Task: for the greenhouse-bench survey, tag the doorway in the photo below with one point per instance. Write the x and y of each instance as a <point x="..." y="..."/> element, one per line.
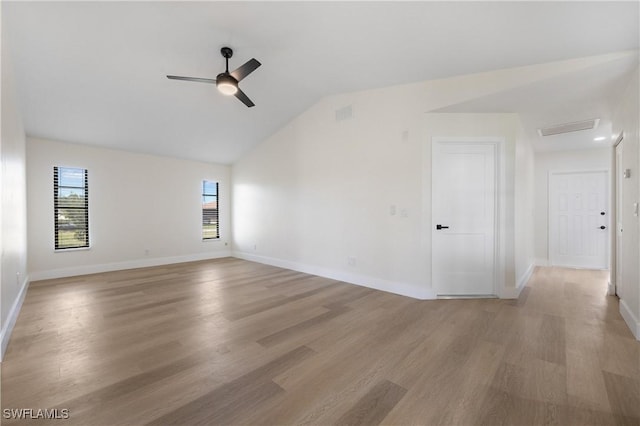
<point x="579" y="219"/>
<point x="464" y="217"/>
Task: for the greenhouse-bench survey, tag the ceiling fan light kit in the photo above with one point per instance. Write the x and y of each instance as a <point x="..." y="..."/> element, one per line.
<point x="227" y="82"/>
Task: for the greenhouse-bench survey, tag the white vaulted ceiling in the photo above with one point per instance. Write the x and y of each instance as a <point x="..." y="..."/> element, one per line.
<point x="94" y="72"/>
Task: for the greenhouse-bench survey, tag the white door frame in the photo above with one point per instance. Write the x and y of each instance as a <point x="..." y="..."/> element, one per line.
<point x="608" y="208"/>
<point x="500" y="204"/>
<point x="615" y="272"/>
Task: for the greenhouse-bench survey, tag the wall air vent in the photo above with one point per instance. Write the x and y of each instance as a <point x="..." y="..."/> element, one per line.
<point x="576" y="126"/>
<point x="344" y="113"/>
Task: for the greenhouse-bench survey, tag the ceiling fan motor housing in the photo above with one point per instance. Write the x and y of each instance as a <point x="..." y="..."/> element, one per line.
<point x="227" y="52"/>
<point x="226" y="84"/>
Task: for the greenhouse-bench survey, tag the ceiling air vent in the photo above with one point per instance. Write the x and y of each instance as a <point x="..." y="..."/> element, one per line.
<point x="569" y="127"/>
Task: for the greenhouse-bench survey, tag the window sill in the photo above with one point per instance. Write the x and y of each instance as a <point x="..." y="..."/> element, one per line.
<point x="71" y="249"/>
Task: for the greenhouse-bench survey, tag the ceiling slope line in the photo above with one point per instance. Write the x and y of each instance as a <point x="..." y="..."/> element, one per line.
<point x="461" y="89"/>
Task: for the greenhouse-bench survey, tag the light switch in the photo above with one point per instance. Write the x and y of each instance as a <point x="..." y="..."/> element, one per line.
<point x="392" y="209"/>
<point x="635" y="209"/>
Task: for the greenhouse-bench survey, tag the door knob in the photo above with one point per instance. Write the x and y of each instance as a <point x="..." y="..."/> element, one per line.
<point x="441" y="227"/>
<point x="603" y="227"/>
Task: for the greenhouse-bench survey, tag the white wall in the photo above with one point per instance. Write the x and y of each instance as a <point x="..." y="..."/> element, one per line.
<point x="136" y="203"/>
<point x="318" y="193"/>
<point x="626" y="119"/>
<point x="316" y="196"/>
<point x="13" y="227"/>
<point x="524" y="200"/>
<point x="558" y="161"/>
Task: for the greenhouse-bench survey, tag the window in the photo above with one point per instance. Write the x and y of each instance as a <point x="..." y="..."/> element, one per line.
<point x="71" y="208"/>
<point x="210" y="228"/>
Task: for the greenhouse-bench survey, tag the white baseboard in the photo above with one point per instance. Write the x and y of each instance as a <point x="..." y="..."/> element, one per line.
<point x="611" y="289"/>
<point x="632" y="321"/>
<point x="402" y="289"/>
<point x="118" y="266"/>
<point x="514" y="292"/>
<point x="7" y="329"/>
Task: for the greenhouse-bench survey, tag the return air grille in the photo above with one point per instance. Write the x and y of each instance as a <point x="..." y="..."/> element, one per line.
<point x="569" y="127"/>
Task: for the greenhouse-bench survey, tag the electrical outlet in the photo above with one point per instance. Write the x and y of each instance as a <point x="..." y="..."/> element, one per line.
<point x="404" y="213"/>
<point x="392" y="209"/>
<point x="351" y="261"/>
<point x="18" y="279"/>
<point x="146" y="252"/>
<point x="255" y="247"/>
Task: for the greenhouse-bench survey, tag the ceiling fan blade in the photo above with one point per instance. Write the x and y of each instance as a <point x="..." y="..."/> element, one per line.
<point x="244" y="98"/>
<point x="246" y="69"/>
<point x="196" y="79"/>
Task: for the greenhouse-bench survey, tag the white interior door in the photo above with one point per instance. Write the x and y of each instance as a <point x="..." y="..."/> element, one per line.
<point x="463" y="207"/>
<point x="578" y="219"/>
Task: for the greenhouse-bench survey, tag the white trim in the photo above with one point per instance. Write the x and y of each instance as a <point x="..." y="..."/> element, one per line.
<point x="611" y="289"/>
<point x="514" y="292"/>
<point x="510" y="293"/>
<point x="118" y="266"/>
<point x="501" y="212"/>
<point x="632" y="322"/>
<point x="403" y="289"/>
<point x="65" y="250"/>
<point x="499" y="255"/>
<point x="7" y="329"/>
<point x="616" y="268"/>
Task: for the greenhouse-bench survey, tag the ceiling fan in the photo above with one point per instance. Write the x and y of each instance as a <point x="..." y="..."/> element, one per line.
<point x="227" y="82"/>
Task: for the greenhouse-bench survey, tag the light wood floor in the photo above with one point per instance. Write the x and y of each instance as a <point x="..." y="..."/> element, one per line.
<point x="234" y="342"/>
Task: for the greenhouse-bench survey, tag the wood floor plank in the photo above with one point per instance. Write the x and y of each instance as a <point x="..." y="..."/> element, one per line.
<point x="374" y="406"/>
<point x="551" y="344"/>
<point x="103" y="395"/>
<point x="228" y="341"/>
<point x="258" y="307"/>
<point x="286" y="333"/>
<point x="624" y="395"/>
<point x="585" y="383"/>
<point x="246" y="392"/>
